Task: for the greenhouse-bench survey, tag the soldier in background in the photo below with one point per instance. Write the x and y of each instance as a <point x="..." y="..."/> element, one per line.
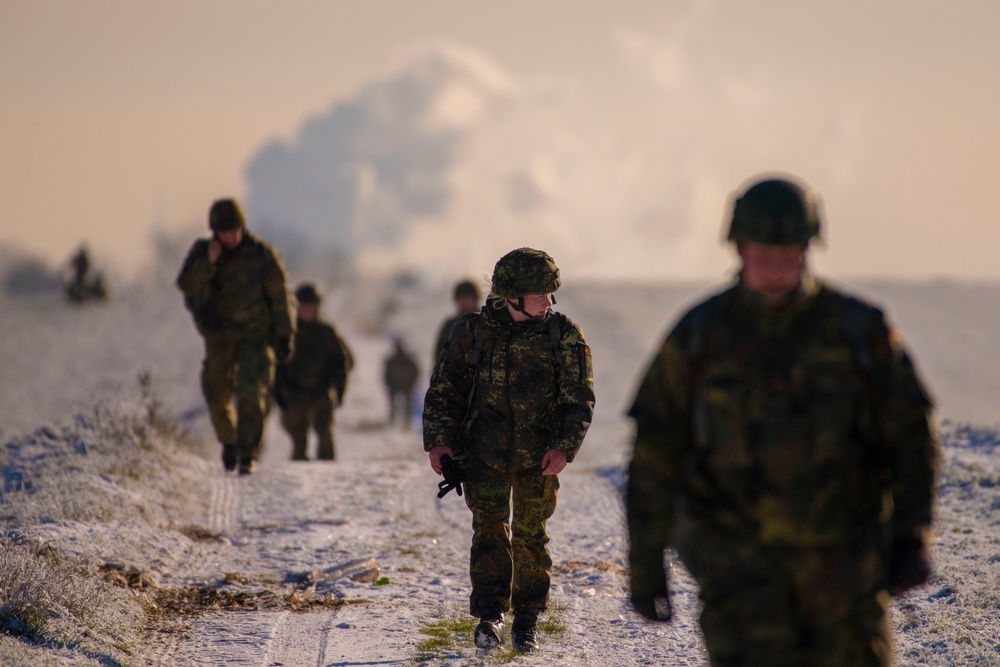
<point x="784" y="447"/>
<point x="513" y="395"/>
<point x="310" y="386"/>
<point x="234" y="285"/>
<point x="84" y="284"/>
<point x="400" y="377"/>
<point x="466" y="297"/>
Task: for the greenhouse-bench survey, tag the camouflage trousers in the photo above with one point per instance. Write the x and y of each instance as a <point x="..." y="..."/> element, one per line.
<point x="771" y="606"/>
<point x="310" y="410"/>
<point x="244" y="368"/>
<point x="510" y="558"/>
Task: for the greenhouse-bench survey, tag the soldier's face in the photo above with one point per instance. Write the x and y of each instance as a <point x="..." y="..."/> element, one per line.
<point x="307" y="312"/>
<point x="536" y="305"/>
<point x="772" y="271"/>
<point x="230" y="238"/>
<point x="466" y="304"/>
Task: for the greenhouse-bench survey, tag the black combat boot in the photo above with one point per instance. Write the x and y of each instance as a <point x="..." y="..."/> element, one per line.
<point x="489" y="632"/>
<point x="229" y="457"/>
<point x="247" y="465"/>
<point x="523" y="634"/>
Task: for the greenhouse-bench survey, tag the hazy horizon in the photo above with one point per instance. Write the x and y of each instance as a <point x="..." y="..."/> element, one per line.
<point x="611" y="136"/>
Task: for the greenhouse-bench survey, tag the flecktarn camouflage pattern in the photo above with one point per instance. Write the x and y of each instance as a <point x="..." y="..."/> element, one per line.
<point x="532" y="389"/>
<point x="782" y="452"/>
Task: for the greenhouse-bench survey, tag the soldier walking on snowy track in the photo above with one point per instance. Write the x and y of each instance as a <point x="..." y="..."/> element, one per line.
<point x="311" y="386"/>
<point x="512" y="395"/>
<point x="784" y="447"/>
<point x="234" y="285"/>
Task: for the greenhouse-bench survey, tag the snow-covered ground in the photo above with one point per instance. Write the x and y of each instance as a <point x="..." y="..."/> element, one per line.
<point x="330" y="531"/>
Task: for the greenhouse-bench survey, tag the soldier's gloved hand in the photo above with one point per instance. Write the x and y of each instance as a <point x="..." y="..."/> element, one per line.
<point x="909" y="565"/>
<point x="453" y="477"/>
<point x="283" y="350"/>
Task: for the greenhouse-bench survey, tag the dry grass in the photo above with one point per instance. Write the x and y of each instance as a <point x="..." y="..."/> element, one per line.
<point x="120" y="464"/>
<point x="48" y="599"/>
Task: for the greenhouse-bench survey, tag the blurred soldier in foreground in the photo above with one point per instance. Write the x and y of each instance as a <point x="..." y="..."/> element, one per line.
<point x="466" y="297"/>
<point x="512" y="395"/>
<point x="400" y="379"/>
<point x="784" y="447"/>
<point x="234" y="285"/>
<point x="310" y="386"/>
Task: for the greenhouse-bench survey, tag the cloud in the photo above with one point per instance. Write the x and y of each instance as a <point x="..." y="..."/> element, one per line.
<point x="446" y="162"/>
<point x="356" y="176"/>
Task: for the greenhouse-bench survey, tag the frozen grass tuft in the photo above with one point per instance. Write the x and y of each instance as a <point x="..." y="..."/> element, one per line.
<point x="102" y="481"/>
<point x="119" y="463"/>
<point x="48" y="599"/>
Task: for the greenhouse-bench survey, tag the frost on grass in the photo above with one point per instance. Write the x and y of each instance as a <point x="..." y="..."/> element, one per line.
<point x="122" y="462"/>
<point x="952" y="620"/>
<point x="46" y="598"/>
<point x="71" y="495"/>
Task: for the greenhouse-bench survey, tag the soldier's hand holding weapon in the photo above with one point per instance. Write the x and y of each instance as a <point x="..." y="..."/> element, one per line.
<point x="453" y="474"/>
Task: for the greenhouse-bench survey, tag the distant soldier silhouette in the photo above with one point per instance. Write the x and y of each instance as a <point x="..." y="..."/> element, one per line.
<point x="234" y="285"/>
<point x="81" y="265"/>
<point x="311" y="386"/>
<point x="466" y="296"/>
<point x="400" y="377"/>
<point x="83" y="285"/>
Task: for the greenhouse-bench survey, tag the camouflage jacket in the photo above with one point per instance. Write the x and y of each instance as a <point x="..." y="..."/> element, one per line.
<point x="322" y="361"/>
<point x="444" y="333"/>
<point x="527" y="399"/>
<point x="802" y="425"/>
<point x="244" y="294"/>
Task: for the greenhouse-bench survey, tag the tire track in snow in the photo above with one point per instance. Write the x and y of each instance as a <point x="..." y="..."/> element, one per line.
<point x="223" y="507"/>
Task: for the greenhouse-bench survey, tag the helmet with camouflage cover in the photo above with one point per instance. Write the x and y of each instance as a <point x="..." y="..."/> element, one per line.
<point x="307" y="293"/>
<point x="775" y="211"/>
<point x="226" y="215"/>
<point x="525" y="271"/>
<point x="466" y="288"/>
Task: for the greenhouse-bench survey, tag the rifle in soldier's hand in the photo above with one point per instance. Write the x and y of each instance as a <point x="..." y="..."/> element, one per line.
<point x="453" y="475"/>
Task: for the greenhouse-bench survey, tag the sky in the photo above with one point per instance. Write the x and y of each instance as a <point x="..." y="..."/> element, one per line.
<point x="434" y="136"/>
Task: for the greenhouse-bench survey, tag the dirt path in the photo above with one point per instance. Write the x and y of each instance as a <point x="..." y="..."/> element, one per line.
<point x="287" y="530"/>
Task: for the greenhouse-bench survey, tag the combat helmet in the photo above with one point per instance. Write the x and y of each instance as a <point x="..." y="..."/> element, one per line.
<point x="307" y="293"/>
<point x="226" y="215"/>
<point x="525" y="271"/>
<point x="775" y="211"/>
<point x="466" y="288"/>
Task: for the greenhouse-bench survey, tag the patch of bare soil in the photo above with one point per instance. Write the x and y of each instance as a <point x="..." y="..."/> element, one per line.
<point x="266" y="593"/>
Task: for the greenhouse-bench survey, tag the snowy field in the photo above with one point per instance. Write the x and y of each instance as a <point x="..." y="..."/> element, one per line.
<point x="294" y="553"/>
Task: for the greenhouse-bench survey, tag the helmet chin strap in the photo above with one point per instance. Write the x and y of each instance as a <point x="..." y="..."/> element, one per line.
<point x="519" y="307"/>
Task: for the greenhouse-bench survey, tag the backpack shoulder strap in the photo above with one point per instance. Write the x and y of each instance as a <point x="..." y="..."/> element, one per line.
<point x="477" y="345"/>
<point x="555" y="335"/>
<point x="700" y="320"/>
<point x="857" y="318"/>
